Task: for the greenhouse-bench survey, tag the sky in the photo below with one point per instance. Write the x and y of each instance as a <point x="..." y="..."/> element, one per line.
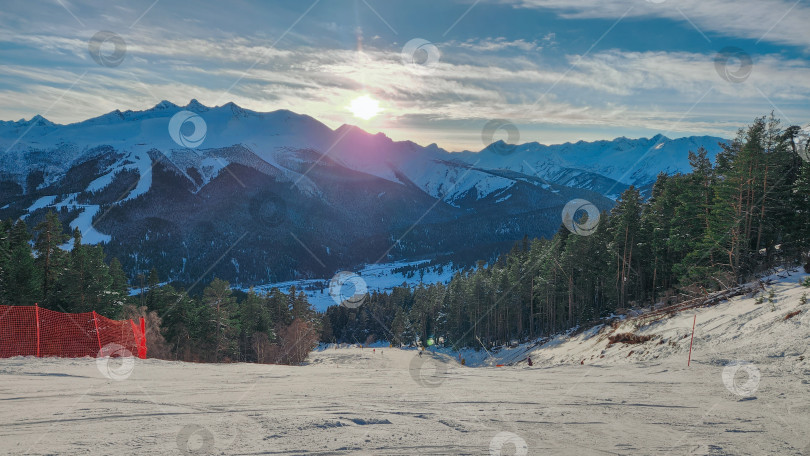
<point x="442" y="72"/>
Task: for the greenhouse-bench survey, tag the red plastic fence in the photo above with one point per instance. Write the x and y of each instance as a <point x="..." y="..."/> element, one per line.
<point x="34" y="331"/>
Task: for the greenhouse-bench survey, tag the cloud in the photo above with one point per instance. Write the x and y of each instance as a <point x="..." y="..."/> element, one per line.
<point x="476" y="79"/>
<point x="777" y="21"/>
<point x="650" y="90"/>
<point x="498" y="44"/>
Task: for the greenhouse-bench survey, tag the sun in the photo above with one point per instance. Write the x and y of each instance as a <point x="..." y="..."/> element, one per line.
<point x="365" y="107"/>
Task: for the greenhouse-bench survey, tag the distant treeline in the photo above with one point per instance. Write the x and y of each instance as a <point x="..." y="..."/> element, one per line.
<point x="715" y="227"/>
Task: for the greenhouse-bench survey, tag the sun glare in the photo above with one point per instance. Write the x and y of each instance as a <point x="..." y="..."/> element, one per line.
<point x="365" y="107"/>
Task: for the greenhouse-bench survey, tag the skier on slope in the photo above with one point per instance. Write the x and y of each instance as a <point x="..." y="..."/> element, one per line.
<point x="529" y="360"/>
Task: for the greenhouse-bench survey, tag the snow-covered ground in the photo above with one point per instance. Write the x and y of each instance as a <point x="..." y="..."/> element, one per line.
<point x="756" y="332"/>
<point x="746" y="392"/>
<point x="375" y="277"/>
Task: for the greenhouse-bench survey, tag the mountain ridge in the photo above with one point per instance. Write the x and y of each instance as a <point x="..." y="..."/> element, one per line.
<point x="334" y="199"/>
<point x="195" y="106"/>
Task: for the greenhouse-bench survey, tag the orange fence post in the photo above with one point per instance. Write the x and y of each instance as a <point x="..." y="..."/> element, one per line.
<point x="140" y="338"/>
<point x="36" y="306"/>
<point x="98" y="334"/>
<point x="691" y="340"/>
<point x="142" y="344"/>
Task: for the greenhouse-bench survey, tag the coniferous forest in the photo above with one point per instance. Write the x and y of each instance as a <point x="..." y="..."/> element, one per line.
<point x="217" y="324"/>
<point x="718" y="226"/>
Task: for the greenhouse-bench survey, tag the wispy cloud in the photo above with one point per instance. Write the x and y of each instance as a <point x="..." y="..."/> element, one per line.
<point x="778" y="21"/>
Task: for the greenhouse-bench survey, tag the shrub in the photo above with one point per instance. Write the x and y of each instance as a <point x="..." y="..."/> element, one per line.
<point x="297" y="340"/>
<point x="628" y="338"/>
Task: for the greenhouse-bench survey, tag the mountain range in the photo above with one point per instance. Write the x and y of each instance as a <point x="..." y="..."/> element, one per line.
<point x="258" y="197"/>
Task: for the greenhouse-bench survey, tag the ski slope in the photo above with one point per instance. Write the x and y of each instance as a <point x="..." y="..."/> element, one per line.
<point x="385" y="401"/>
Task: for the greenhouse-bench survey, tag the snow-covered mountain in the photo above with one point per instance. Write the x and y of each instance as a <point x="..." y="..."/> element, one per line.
<point x="175" y="194"/>
<point x="604" y="166"/>
<point x="275" y="137"/>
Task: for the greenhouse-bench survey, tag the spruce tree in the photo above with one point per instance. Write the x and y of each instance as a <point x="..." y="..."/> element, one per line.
<point x="254" y="318"/>
<point x="51" y="259"/>
<point x="119" y="285"/>
<point x="219" y="298"/>
<point x="20" y="279"/>
<point x="625" y="226"/>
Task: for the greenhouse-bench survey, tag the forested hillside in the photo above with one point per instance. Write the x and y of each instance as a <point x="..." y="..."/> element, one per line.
<point x="709" y="229"/>
<point x="210" y="324"/>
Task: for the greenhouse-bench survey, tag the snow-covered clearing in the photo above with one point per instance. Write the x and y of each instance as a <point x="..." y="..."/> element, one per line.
<point x="375" y="277"/>
<point x="390" y="401"/>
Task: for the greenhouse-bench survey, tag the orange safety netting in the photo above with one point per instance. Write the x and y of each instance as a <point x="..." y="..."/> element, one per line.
<point x="34" y="331"/>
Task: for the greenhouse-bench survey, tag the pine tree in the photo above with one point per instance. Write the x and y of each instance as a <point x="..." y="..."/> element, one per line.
<point x="119" y="285"/>
<point x="279" y="305"/>
<point x="98" y="286"/>
<point x="20" y="280"/>
<point x="152" y="284"/>
<point x="398" y="327"/>
<point x="625" y="226"/>
<point x="70" y="288"/>
<point x="798" y="236"/>
<point x="694" y="255"/>
<point x="657" y="219"/>
<point x="219" y="297"/>
<point x="254" y="319"/>
<point x="51" y="259"/>
<point x="301" y="308"/>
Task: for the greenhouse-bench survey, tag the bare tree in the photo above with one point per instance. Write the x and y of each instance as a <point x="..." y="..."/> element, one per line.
<point x="297" y="340"/>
